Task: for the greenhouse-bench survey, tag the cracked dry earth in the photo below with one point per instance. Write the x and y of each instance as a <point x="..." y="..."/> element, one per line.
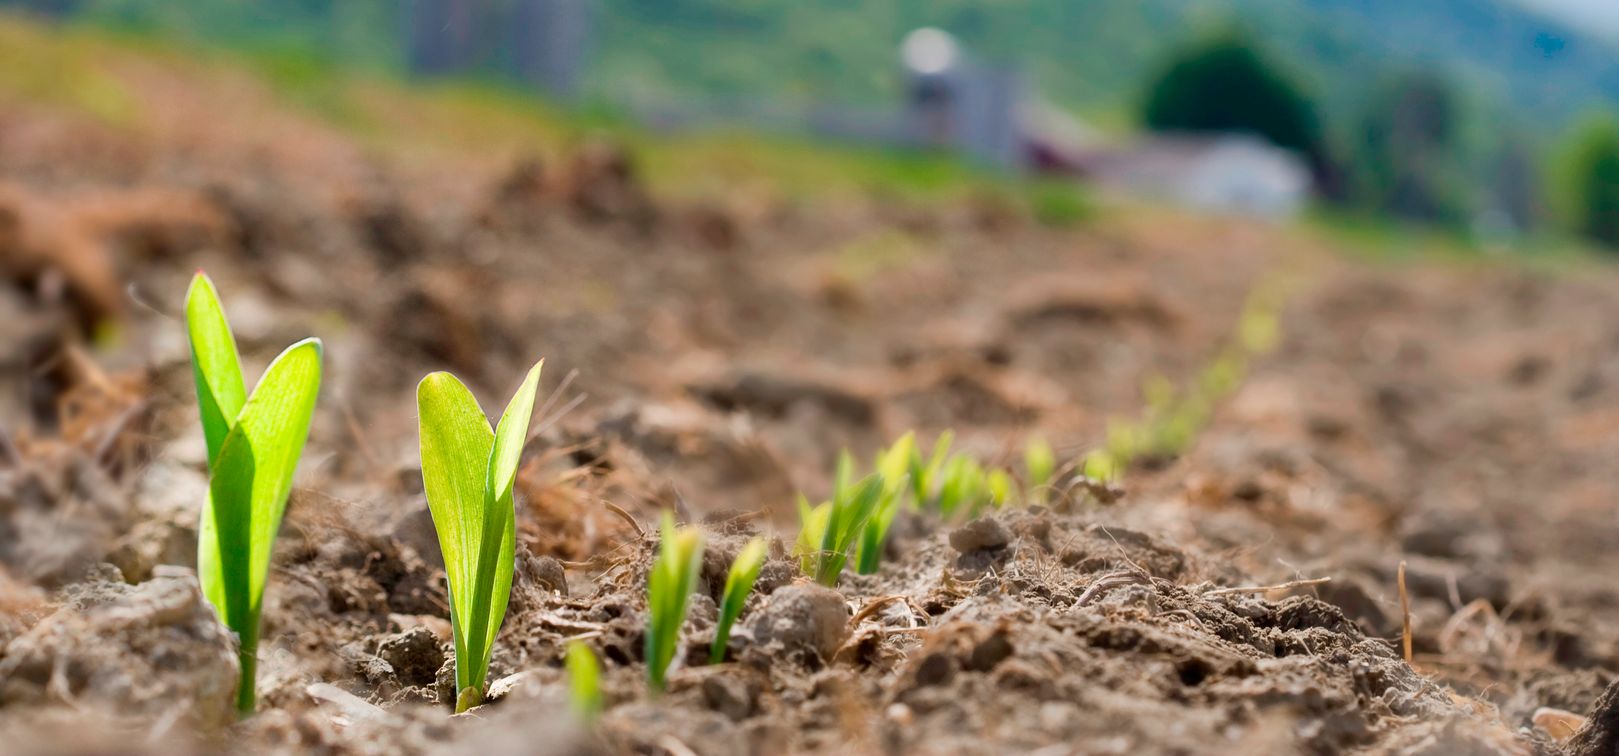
<point x="1238" y="598"/>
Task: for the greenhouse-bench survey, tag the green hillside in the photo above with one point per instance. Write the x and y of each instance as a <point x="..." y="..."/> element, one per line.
<point x="1091" y="55"/>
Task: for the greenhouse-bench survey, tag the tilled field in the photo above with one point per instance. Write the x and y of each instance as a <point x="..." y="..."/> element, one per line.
<point x="712" y="358"/>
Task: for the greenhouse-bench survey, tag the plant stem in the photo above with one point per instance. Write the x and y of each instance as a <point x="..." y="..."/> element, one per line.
<point x="245" y="687"/>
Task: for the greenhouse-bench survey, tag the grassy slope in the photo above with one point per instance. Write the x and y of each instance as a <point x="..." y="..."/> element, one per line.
<point x="88" y="71"/>
<point x="1091" y="55"/>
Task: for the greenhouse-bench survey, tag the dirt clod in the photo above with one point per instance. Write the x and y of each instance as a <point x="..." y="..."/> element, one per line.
<point x="983" y="534"/>
<point x="129" y="649"/>
<point x="801" y="618"/>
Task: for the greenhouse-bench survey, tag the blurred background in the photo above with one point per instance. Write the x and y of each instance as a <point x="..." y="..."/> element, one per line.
<point x="1488" y="118"/>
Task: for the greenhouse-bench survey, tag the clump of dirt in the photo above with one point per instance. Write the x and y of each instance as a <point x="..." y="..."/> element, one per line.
<point x="131" y="653"/>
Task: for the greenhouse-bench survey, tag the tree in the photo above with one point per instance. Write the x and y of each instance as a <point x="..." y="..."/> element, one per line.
<point x="1590" y="180"/>
<point x="1223" y="83"/>
<point x="1408" y="160"/>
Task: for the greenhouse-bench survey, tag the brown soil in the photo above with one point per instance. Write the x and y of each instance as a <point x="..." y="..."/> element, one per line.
<point x="1464" y="420"/>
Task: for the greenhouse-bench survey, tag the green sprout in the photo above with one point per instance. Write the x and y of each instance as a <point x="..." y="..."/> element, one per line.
<point x="254" y="443"/>
<point x="468" y="472"/>
<point x="925" y="474"/>
<point x="894" y="464"/>
<point x="964" y="488"/>
<point x="998" y="487"/>
<point x="1039" y="464"/>
<point x="668" y="590"/>
<point x="584" y="681"/>
<point x="811" y="528"/>
<point x="738" y="583"/>
<point x="828" y="531"/>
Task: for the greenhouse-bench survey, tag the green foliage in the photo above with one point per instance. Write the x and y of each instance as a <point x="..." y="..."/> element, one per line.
<point x="468" y="472"/>
<point x="894" y="464"/>
<point x="961" y="487"/>
<point x="254" y="443"/>
<point x="1100" y="464"/>
<point x="998" y="487"/>
<point x="1589" y="180"/>
<point x="1408" y="161"/>
<point x="668" y="593"/>
<point x="1039" y="464"/>
<point x="738" y="584"/>
<point x="828" y="531"/>
<point x="1225" y="84"/>
<point x="924" y="474"/>
<point x="1174" y="416"/>
<point x="1058" y="203"/>
<point x="584" y="681"/>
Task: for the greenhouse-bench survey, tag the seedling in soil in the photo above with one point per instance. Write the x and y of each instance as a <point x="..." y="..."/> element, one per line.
<point x="962" y="487"/>
<point x="828" y="531"/>
<point x="254" y="443"/>
<point x="668" y="591"/>
<point x="925" y="474"/>
<point x="468" y="471"/>
<point x="1039" y="464"/>
<point x="998" y="487"/>
<point x="1100" y="465"/>
<point x="738" y="584"/>
<point x="894" y="465"/>
<point x="584" y="681"/>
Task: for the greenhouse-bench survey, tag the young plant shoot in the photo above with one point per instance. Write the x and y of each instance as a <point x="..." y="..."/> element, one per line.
<point x="1039" y="464"/>
<point x="894" y="464"/>
<point x="925" y="474"/>
<point x="468" y="471"/>
<point x="668" y="591"/>
<point x="738" y="584"/>
<point x="961" y="487"/>
<point x="253" y="447"/>
<point x="584" y="681"/>
<point x="828" y="531"/>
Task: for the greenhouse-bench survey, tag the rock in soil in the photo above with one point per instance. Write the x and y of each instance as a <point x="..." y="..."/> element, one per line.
<point x="145" y="650"/>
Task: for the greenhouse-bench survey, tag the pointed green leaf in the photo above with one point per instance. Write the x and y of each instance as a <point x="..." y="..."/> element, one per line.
<point x="584" y="681"/>
<point x="669" y="586"/>
<point x="847" y="516"/>
<point x="214" y="364"/>
<point x="512" y="433"/>
<point x="497" y="555"/>
<point x="738" y="583"/>
<point x="812" y="522"/>
<point x="1039" y="464"/>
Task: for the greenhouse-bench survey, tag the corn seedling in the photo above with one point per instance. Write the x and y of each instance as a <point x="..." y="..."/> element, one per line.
<point x="894" y="464"/>
<point x="584" y="681"/>
<point x="965" y="488"/>
<point x="997" y="488"/>
<point x="828" y="531"/>
<point x="668" y="590"/>
<point x="1172" y="418"/>
<point x="738" y="584"/>
<point x="1101" y="465"/>
<point x="468" y="471"/>
<point x="1039" y="464"/>
<point x="925" y="474"/>
<point x="253" y="447"/>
